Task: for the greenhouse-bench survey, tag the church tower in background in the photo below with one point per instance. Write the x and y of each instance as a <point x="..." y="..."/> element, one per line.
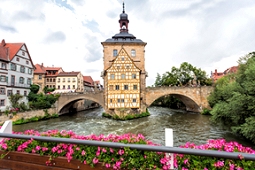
<point x="124" y="71"/>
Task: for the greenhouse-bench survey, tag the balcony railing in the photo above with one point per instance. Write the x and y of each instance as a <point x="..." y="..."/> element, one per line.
<point x="14" y="84"/>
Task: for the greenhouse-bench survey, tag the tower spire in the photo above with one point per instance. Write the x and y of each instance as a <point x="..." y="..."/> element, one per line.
<point x="123" y="7"/>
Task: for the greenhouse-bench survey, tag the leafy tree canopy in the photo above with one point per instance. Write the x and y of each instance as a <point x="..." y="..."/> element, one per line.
<point x="234" y="97"/>
<point x="41" y="101"/>
<point x="186" y="74"/>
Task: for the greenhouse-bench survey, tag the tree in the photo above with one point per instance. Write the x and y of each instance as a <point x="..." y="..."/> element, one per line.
<point x="41" y="101"/>
<point x="47" y="90"/>
<point x="34" y="88"/>
<point x="158" y="81"/>
<point x="183" y="76"/>
<point x="14" y="100"/>
<point x="234" y="97"/>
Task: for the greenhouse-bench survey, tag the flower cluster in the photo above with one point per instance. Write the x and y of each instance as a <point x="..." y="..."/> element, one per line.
<point x="126" y="158"/>
<point x="186" y="162"/>
<point x="114" y="158"/>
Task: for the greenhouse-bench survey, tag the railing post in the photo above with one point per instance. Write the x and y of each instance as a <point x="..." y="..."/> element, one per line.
<point x="169" y="141"/>
<point x="6" y="128"/>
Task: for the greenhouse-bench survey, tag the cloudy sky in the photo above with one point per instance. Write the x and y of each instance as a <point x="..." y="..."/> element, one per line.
<point x="209" y="34"/>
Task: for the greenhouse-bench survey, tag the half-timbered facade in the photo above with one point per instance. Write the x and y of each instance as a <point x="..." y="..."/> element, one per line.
<point x="124" y="70"/>
<point x="123" y="79"/>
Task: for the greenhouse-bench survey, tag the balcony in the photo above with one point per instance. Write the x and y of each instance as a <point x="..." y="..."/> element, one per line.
<point x="11" y="84"/>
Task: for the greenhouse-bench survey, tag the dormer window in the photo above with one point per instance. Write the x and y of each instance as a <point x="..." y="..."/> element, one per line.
<point x="115" y="53"/>
<point x="133" y="53"/>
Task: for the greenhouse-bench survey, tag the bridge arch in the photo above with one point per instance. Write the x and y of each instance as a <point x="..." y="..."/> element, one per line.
<point x="194" y="98"/>
<point x="71" y="98"/>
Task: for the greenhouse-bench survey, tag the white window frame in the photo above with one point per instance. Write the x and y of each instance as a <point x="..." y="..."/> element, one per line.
<point x="21" y="80"/>
<point x="2" y="91"/>
<point x="133" y="53"/>
<point x="115" y="52"/>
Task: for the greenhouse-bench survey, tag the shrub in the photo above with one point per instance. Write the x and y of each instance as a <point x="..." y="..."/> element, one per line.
<point x="206" y="111"/>
<point x="210" y="163"/>
<point x="115" y="158"/>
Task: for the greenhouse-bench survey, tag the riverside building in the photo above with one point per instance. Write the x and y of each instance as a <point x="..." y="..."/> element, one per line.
<point x="124" y="71"/>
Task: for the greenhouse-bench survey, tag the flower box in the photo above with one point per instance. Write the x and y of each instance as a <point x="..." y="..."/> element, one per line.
<point x="28" y="161"/>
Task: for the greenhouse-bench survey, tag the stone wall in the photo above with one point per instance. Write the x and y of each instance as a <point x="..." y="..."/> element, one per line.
<point x="25" y="115"/>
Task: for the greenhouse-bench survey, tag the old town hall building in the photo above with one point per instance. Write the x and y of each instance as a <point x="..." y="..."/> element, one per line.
<point x="124" y="71"/>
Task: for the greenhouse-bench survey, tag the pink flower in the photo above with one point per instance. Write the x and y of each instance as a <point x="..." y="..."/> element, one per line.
<point x="84" y="162"/>
<point x="107" y="165"/>
<point x="83" y="153"/>
<point x="95" y="160"/>
<point x="121" y="152"/>
<point x="37" y="148"/>
<point x="104" y="150"/>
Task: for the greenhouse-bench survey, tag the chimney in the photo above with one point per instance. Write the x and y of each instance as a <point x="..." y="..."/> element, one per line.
<point x="215" y="73"/>
<point x="3" y="43"/>
<point x="42" y="64"/>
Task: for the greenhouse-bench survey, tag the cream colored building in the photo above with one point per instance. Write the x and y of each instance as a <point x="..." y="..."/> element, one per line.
<point x="45" y="76"/>
<point x="124" y="70"/>
<point x="70" y="81"/>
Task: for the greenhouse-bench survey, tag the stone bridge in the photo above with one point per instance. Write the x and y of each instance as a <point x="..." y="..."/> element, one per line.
<point x="66" y="101"/>
<point x="195" y="98"/>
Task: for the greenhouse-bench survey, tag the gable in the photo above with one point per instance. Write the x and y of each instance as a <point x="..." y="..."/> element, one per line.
<point x="123" y="63"/>
<point x="19" y="50"/>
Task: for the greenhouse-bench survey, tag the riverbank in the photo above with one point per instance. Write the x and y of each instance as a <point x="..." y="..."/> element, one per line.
<point x="51" y="112"/>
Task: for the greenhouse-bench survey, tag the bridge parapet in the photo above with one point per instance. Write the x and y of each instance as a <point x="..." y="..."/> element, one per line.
<point x="68" y="98"/>
<point x="195" y="98"/>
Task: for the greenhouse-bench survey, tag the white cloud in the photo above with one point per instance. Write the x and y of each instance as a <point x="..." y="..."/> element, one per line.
<point x="208" y="34"/>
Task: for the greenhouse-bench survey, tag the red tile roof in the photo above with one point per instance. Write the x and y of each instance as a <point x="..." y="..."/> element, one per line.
<point x="73" y="73"/>
<point x="4" y="53"/>
<point x="14" y="49"/>
<point x="216" y="75"/>
<point x="39" y="69"/>
<point x="52" y="68"/>
<point x="231" y="70"/>
<point x="97" y="82"/>
<point x="88" y="79"/>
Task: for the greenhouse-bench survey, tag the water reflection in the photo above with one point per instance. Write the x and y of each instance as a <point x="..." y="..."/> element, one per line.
<point x="187" y="126"/>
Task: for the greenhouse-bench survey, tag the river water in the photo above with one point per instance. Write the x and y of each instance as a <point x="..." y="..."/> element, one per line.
<point x="187" y="126"/>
